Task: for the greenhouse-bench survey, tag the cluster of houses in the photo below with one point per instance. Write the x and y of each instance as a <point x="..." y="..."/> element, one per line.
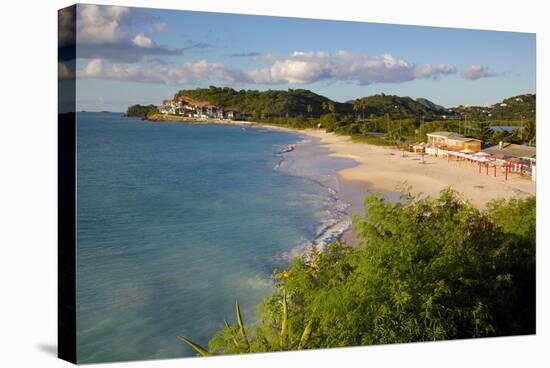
<point x="179" y="107"/>
<point x="517" y="157"/>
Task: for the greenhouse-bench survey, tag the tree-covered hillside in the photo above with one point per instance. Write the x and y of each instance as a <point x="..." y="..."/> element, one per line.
<point x="397" y="107"/>
<point x="399" y="118"/>
<point x="302" y="102"/>
<point x="271" y="103"/>
<point x="517" y="107"/>
<point x="141" y="111"/>
<point x="295" y="102"/>
<point x="513" y="109"/>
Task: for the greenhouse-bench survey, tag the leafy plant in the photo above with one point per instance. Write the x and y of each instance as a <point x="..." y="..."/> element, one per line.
<point x="422" y="269"/>
<point x="234" y="339"/>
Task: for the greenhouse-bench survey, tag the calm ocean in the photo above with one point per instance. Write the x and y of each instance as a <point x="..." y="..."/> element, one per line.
<point x="177" y="221"/>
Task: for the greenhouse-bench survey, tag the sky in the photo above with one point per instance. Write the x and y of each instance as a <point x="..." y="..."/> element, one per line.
<point x="135" y="55"/>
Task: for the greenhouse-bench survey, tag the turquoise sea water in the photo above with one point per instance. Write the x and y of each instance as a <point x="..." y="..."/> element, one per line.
<point x="177" y="221"/>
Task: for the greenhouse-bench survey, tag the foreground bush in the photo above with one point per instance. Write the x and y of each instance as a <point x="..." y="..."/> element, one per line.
<point x="423" y="269"/>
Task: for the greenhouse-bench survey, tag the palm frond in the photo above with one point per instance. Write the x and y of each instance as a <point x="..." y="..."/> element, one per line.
<point x="233" y="337"/>
<point x="241" y="325"/>
<point x="305" y="335"/>
<point x="199" y="349"/>
<point x="284" y="323"/>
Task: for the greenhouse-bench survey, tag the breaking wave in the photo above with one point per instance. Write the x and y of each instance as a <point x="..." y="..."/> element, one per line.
<point x="307" y="159"/>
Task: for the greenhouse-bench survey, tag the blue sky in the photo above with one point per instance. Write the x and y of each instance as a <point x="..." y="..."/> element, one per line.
<point x="132" y="55"/>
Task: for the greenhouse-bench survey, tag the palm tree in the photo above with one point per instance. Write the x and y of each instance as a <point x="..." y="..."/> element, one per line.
<point x="309" y="109"/>
<point x="355" y="106"/>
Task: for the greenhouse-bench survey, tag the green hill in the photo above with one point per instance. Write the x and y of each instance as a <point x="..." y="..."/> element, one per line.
<point x="430" y="105"/>
<point x="517" y="107"/>
<point x="512" y="109"/>
<point x="140" y="111"/>
<point x="271" y="103"/>
<point x="294" y="102"/>
<point x="398" y="118"/>
<point x="396" y="107"/>
<point x="276" y="104"/>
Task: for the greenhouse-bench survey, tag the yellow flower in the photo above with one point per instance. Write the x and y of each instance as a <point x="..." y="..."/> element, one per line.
<point x="283" y="275"/>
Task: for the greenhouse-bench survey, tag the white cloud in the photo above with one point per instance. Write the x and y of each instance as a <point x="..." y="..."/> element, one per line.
<point x="309" y="67"/>
<point x="297" y="68"/>
<point x="101" y="24"/>
<point x="290" y="71"/>
<point x="108" y="32"/>
<point x="142" y="41"/>
<point x="94" y="69"/>
<point x="185" y="73"/>
<point x="476" y="71"/>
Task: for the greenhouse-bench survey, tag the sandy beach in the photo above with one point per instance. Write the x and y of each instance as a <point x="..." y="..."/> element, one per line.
<point x="383" y="168"/>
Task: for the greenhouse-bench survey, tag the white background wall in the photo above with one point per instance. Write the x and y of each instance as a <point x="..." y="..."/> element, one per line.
<point x="28" y="181"/>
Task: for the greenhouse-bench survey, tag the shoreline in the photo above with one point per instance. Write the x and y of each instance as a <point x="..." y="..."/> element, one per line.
<point x="184" y="119"/>
<point x="382" y="169"/>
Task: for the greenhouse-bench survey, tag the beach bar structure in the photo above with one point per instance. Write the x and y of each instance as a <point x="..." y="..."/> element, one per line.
<point x="453" y="141"/>
<point x="519" y="158"/>
<point x="509" y="150"/>
<point x="510" y="158"/>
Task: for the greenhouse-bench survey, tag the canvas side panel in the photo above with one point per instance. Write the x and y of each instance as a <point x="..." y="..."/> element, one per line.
<point x="66" y="176"/>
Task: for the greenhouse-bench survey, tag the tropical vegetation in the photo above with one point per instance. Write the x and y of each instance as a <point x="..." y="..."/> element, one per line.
<point x="398" y="118"/>
<point x="422" y="269"/>
<point x="141" y="111"/>
<point x="267" y="104"/>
